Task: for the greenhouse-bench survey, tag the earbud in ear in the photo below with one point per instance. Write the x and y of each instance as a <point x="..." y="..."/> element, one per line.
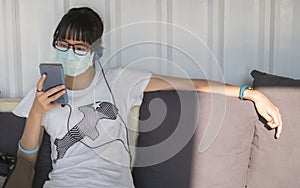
<point x="98" y="53"/>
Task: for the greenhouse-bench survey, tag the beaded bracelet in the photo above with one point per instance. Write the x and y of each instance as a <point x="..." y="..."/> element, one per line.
<point x="243" y="88"/>
<point x="29" y="152"/>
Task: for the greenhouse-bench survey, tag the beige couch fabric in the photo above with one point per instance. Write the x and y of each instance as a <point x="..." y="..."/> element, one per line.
<point x="222" y="163"/>
<point x="276" y="162"/>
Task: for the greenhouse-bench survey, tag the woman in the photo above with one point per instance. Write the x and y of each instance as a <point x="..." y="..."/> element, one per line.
<point x="88" y="137"/>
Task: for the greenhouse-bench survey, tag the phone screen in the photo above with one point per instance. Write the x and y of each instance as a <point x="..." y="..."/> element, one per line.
<point x="54" y="77"/>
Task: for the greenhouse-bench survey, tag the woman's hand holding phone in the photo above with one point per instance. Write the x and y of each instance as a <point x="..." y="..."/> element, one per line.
<point x="43" y="99"/>
<point x="55" y="77"/>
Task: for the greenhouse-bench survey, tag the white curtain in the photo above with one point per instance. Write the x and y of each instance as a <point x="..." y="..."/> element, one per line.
<point x="26" y="32"/>
<point x="213" y="39"/>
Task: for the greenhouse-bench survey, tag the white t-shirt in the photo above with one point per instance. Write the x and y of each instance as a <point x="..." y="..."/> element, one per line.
<point x="85" y="152"/>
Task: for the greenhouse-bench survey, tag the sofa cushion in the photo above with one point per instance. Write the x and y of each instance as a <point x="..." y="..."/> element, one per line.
<point x="222" y="142"/>
<point x="275" y="162"/>
<point x="11" y="127"/>
<point x="164" y="150"/>
<point x="263" y="79"/>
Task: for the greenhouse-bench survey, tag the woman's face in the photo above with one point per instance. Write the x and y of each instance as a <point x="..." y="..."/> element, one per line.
<point x="75" y="56"/>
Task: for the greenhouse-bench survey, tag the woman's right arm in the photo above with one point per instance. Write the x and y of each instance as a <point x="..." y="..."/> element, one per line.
<point x="33" y="131"/>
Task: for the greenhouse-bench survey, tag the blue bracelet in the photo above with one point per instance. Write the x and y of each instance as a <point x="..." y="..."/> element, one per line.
<point x="29" y="152"/>
<point x="243" y="88"/>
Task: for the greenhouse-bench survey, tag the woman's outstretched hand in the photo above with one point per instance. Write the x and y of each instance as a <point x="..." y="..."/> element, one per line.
<point x="267" y="110"/>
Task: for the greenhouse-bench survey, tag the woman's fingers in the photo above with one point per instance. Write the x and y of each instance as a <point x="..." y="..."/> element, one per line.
<point x="276" y="121"/>
<point x="270" y="112"/>
<point x="279" y="130"/>
<point x="60" y="91"/>
<point x="40" y="84"/>
<point x="44" y="99"/>
<point x="274" y="117"/>
<point x="54" y="91"/>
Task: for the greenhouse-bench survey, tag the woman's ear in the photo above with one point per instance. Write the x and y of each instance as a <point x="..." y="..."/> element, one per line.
<point x="98" y="53"/>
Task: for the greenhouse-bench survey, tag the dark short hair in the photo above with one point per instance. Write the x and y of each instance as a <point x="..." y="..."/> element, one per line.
<point x="82" y="24"/>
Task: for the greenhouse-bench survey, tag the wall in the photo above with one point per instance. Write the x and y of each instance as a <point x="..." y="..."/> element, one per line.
<point x="213" y="39"/>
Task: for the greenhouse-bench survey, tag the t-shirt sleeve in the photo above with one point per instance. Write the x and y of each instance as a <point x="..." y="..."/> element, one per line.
<point x="23" y="108"/>
<point x="131" y="83"/>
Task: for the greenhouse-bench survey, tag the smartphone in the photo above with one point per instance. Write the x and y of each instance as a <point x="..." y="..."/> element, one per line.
<point x="54" y="77"/>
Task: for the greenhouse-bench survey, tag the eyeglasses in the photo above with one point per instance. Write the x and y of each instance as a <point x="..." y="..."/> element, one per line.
<point x="79" y="49"/>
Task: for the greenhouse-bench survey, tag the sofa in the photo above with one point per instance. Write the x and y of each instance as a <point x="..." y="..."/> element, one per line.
<point x="194" y="139"/>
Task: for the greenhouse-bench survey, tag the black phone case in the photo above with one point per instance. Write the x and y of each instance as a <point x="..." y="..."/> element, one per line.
<point x="54" y="77"/>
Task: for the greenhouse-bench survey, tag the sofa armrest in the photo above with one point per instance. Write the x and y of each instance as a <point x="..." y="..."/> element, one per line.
<point x="8" y="104"/>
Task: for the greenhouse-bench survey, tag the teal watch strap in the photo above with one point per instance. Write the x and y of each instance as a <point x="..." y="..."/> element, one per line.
<point x="242" y="89"/>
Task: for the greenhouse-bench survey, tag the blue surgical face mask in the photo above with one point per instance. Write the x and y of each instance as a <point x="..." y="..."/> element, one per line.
<point x="74" y="64"/>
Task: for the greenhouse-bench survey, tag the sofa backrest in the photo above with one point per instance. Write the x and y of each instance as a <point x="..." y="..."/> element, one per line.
<point x="216" y="131"/>
<point x="208" y="140"/>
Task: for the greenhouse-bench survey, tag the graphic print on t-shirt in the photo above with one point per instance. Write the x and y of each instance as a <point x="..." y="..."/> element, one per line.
<point x="87" y="126"/>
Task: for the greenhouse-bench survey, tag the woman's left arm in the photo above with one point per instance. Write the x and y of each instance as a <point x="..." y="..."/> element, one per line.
<point x="263" y="105"/>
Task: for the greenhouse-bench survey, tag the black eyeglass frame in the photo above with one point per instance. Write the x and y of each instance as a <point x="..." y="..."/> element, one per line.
<point x="81" y="53"/>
